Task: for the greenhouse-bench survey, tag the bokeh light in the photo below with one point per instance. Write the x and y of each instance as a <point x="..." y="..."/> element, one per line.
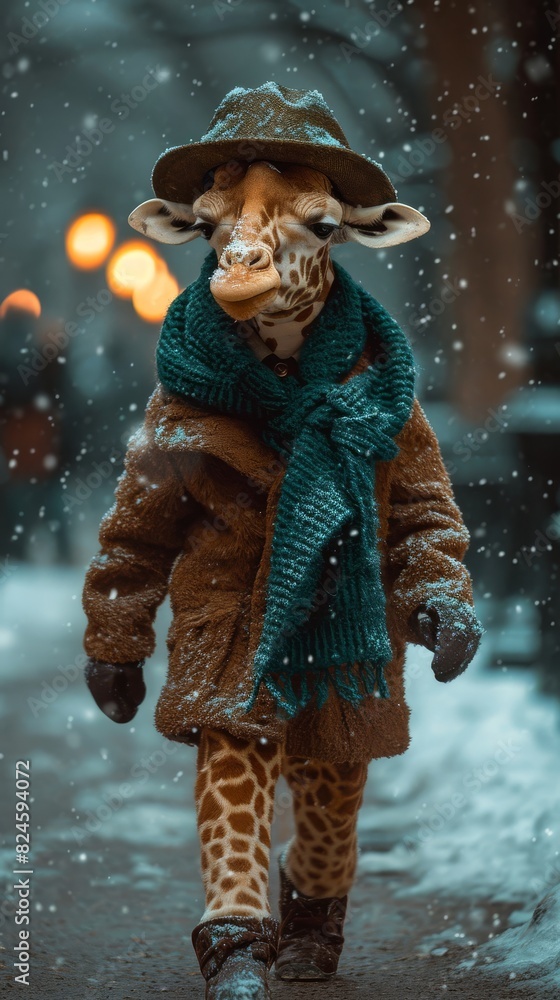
<point x="89" y="240"/>
<point x="131" y="267"/>
<point x="21" y="299"/>
<point x="152" y="301"/>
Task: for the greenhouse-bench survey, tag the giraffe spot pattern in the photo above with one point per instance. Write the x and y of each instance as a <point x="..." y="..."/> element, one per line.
<point x="321" y="861"/>
<point x="317" y="821"/>
<point x="239" y="845"/>
<point x="242" y="822"/>
<point x="239" y="864"/>
<point x="240" y="794"/>
<point x="227" y="768"/>
<point x="257" y="768"/>
<point x="264" y="835"/>
<point x="303" y="315"/>
<point x="260" y="856"/>
<point x="235" y="796"/>
<point x="210" y="808"/>
<point x="248" y="898"/>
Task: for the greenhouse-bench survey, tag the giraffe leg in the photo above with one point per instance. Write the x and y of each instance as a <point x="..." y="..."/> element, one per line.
<point x="317" y="868"/>
<point x="235" y="797"/>
<point x="321" y="858"/>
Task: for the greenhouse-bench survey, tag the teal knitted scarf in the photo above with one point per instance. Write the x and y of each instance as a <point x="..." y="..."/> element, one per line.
<point x="324" y="623"/>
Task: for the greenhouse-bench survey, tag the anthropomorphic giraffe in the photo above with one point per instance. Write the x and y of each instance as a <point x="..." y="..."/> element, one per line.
<point x="272" y="227"/>
<point x="288" y="491"/>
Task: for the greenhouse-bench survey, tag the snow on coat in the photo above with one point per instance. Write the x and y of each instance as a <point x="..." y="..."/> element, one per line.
<point x="194" y="515"/>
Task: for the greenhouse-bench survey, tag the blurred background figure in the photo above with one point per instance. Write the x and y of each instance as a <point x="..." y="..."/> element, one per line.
<point x="32" y="434"/>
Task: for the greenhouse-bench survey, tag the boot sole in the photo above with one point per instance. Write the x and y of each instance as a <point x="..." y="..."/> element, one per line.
<point x="302" y="971"/>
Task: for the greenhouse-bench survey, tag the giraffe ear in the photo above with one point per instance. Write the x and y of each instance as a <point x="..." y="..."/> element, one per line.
<point x="164" y="221"/>
<point x="383" y="225"/>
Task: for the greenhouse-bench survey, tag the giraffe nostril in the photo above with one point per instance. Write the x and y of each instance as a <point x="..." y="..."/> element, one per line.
<point x="254" y="258"/>
<point x="258" y="258"/>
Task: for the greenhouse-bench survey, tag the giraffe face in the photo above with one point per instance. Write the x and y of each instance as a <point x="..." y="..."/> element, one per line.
<point x="272" y="226"/>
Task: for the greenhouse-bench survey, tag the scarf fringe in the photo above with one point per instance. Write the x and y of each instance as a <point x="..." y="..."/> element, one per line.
<point x="351" y="684"/>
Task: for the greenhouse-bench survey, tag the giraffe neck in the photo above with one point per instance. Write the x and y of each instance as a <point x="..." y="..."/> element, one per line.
<point x="285" y="333"/>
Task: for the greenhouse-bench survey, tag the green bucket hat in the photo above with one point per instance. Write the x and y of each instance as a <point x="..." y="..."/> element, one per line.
<point x="275" y="123"/>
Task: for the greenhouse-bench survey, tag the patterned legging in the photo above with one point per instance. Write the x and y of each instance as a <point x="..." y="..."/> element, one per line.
<point x="235" y="785"/>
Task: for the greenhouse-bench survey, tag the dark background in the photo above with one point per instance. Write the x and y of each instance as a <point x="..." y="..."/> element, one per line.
<point x="478" y="296"/>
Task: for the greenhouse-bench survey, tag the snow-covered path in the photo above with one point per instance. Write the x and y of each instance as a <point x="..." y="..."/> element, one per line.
<point x="473" y="808"/>
<point x="458" y="835"/>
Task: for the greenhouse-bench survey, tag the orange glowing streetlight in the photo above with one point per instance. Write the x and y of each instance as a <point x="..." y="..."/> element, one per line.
<point x="152" y="301"/>
<point x="21" y="299"/>
<point x="131" y="267"/>
<point x="89" y="240"/>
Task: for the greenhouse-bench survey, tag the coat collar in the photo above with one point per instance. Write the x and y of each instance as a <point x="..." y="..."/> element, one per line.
<point x="179" y="427"/>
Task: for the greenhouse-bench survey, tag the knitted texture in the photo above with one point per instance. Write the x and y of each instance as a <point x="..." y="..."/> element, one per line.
<point x="324" y="621"/>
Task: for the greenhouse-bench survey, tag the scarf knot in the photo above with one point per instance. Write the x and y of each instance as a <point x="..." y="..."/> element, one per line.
<point x="333" y="410"/>
<point x="303" y="405"/>
<point x="324" y="625"/>
<point x="363" y="438"/>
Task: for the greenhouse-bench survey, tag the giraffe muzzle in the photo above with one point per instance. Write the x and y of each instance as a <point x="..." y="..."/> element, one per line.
<point x="238" y="281"/>
<point x="243" y="290"/>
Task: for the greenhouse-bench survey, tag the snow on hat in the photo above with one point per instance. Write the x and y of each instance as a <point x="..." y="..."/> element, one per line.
<point x="276" y="123"/>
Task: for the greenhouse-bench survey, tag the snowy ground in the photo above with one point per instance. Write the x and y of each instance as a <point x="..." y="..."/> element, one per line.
<point x="474" y="805"/>
<point x="459" y="836"/>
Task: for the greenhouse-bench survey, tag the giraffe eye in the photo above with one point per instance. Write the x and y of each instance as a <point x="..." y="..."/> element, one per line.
<point x="322" y="229"/>
<point x="204" y="228"/>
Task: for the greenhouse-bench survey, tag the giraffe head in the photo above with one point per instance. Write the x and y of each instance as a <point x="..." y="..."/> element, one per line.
<point x="272" y="226"/>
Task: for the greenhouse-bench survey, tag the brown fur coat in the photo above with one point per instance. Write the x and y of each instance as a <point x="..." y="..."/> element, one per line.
<point x="194" y="514"/>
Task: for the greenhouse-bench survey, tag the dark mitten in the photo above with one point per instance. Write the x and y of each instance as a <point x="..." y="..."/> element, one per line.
<point x="451" y="630"/>
<point x="118" y="688"/>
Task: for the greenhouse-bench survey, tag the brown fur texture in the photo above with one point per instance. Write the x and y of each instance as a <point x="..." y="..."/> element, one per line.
<point x="194" y="514"/>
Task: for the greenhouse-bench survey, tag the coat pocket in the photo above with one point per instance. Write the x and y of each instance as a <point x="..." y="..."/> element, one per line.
<point x="205" y="640"/>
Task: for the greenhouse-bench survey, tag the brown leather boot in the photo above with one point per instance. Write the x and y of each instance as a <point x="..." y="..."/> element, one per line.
<point x="310" y="937"/>
<point x="235" y="954"/>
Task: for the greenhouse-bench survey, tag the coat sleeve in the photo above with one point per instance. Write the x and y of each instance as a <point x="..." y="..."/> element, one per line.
<point x="140" y="537"/>
<point x="427" y="538"/>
